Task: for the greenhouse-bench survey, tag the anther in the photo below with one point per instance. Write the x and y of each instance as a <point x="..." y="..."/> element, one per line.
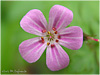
<point x="54" y="29"/>
<point x="48" y="43"/>
<point x="42" y="38"/>
<point x="43" y="31"/>
<point x="59" y="36"/>
<point x="57" y="40"/>
<point x="55" y="32"/>
<point x="42" y="41"/>
<point x="48" y="32"/>
<point x="52" y="45"/>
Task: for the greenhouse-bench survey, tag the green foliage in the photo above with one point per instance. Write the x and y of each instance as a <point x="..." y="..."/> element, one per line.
<point x="82" y="61"/>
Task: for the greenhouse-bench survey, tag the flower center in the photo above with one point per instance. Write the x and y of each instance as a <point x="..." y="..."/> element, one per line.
<point x="51" y="37"/>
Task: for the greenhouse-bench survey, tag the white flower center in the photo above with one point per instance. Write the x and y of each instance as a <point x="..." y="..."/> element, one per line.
<point x="50" y="37"/>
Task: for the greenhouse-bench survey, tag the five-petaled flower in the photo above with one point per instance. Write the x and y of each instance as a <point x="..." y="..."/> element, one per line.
<point x="51" y="35"/>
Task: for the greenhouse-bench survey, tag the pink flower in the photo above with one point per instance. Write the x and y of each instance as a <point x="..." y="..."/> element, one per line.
<point x="51" y="35"/>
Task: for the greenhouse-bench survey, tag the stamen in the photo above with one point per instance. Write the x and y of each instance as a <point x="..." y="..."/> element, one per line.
<point x="59" y="36"/>
<point x="43" y="31"/>
<point x="55" y="32"/>
<point x="42" y="41"/>
<point x="52" y="45"/>
<point x="57" y="40"/>
<point x="42" y="37"/>
<point x="48" y="43"/>
<point x="48" y="32"/>
<point x="54" y="29"/>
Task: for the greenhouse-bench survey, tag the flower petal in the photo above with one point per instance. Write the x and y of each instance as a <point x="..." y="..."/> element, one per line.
<point x="56" y="58"/>
<point x="34" y="22"/>
<point x="59" y="17"/>
<point x="32" y="49"/>
<point x="71" y="37"/>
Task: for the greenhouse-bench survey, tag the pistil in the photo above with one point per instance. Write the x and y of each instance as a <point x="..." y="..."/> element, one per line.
<point x="50" y="37"/>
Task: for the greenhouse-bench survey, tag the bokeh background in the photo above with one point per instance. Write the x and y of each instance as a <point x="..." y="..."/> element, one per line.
<point x="82" y="61"/>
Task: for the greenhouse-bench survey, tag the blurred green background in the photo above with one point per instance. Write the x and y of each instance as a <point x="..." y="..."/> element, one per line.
<point x="82" y="61"/>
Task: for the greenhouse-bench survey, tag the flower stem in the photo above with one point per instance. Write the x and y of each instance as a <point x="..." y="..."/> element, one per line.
<point x="87" y="37"/>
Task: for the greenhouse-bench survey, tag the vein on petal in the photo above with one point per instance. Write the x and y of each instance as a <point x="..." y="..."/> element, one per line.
<point x="34" y="22"/>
